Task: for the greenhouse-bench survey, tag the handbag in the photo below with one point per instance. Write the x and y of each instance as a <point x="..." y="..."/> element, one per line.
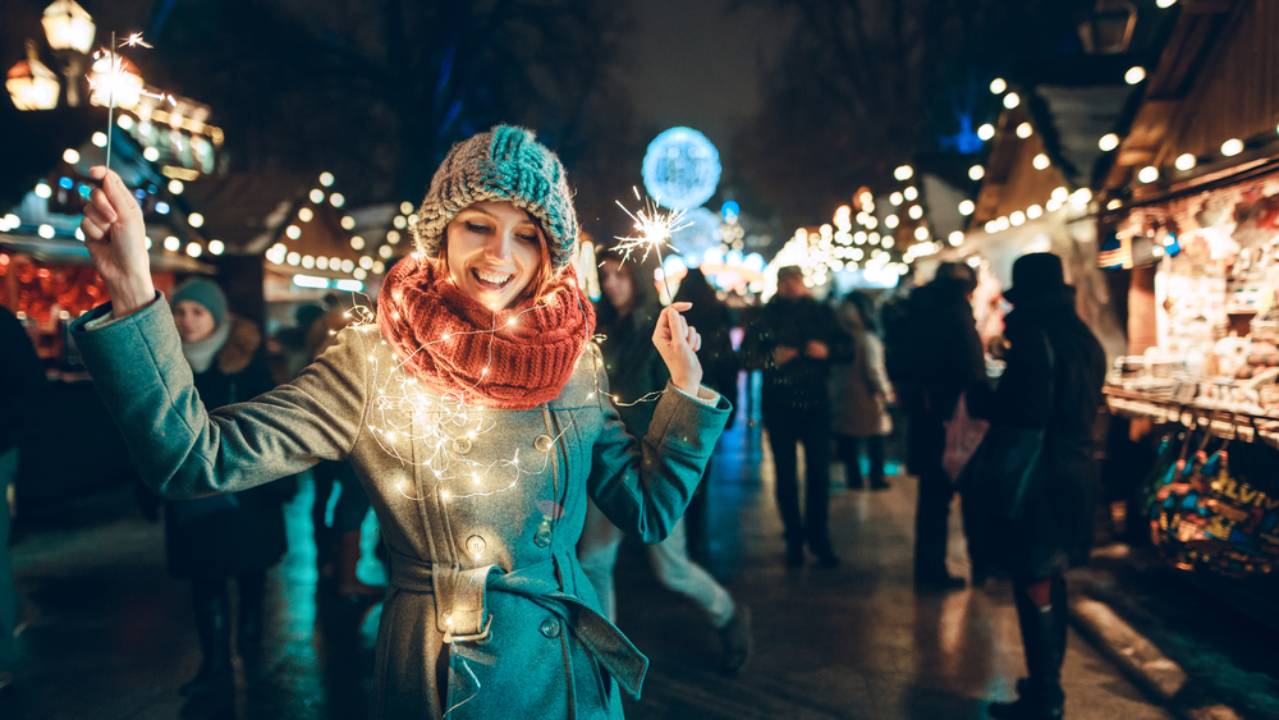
<point x="964" y="434"/>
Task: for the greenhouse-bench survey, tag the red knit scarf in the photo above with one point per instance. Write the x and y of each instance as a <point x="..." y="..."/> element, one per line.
<point x="448" y="340"/>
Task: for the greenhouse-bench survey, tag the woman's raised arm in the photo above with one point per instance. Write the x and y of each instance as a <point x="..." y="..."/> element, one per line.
<point x="132" y="350"/>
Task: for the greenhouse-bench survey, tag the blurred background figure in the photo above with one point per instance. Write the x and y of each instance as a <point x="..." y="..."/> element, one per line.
<point x="940" y="358"/>
<point x="795" y="339"/>
<point x="862" y="393"/>
<point x="1039" y="495"/>
<point x="626" y="315"/>
<point x="212" y="541"/>
<point x="22" y="379"/>
<point x="337" y="534"/>
<point x="720" y="366"/>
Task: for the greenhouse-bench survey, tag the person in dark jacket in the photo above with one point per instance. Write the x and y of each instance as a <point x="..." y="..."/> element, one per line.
<point x="720" y="363"/>
<point x="626" y="317"/>
<point x="239" y="536"/>
<point x="22" y="377"/>
<point x="939" y="358"/>
<point x="1056" y="368"/>
<point x="794" y="339"/>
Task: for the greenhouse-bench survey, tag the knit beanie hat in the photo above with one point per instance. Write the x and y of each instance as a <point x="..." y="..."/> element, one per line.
<point x="205" y="292"/>
<point x="505" y="163"/>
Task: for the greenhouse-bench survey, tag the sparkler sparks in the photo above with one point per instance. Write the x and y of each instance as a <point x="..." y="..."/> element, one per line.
<point x="655" y="229"/>
<point x="109" y="69"/>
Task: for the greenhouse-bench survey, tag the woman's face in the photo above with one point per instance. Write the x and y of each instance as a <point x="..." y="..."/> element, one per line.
<point x="617" y="284"/>
<point x="494" y="252"/>
<point x="194" y="321"/>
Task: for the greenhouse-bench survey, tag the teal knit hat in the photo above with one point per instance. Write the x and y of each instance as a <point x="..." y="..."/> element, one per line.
<point x="505" y="163"/>
<point x="205" y="292"/>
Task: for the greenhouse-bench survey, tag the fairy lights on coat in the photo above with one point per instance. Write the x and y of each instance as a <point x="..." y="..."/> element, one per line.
<point x="436" y="431"/>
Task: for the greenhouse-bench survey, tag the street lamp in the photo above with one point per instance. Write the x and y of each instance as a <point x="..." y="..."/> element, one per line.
<point x="69" y="29"/>
<point x="68" y="26"/>
<point x="31" y="84"/>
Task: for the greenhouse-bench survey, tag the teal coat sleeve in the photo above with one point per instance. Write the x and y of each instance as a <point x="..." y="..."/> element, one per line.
<point x="644" y="487"/>
<point x="184" y="451"/>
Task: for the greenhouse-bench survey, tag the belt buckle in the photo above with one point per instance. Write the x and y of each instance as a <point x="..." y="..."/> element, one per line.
<point x="482" y="635"/>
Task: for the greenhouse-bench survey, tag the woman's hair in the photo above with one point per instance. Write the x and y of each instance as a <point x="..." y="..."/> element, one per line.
<point x="645" y="298"/>
<point x="865" y="308"/>
<point x="695" y="288"/>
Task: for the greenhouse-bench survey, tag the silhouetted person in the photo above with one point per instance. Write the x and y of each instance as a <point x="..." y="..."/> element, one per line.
<point x="941" y="358"/>
<point x="21" y="378"/>
<point x="1051" y="387"/>
<point x="795" y="339"/>
<point x="862" y="393"/>
<point x="720" y="363"/>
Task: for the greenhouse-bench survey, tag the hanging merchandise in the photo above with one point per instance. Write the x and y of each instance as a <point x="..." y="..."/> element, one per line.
<point x="1214" y="504"/>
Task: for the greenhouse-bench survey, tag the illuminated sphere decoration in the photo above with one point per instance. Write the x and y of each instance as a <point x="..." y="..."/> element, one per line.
<point x="681" y="169"/>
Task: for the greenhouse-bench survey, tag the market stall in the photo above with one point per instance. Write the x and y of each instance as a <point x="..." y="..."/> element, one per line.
<point x="1192" y="224"/>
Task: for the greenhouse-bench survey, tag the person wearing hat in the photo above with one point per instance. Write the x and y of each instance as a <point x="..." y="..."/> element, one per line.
<point x="476" y="412"/>
<point x="234" y="536"/>
<point x="1042" y="416"/>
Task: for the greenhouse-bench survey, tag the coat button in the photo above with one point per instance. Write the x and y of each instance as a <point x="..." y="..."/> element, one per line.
<point x="542" y="538"/>
<point x="461" y="446"/>
<point x="550" y="628"/>
<point x="543" y="443"/>
<point x="475" y="546"/>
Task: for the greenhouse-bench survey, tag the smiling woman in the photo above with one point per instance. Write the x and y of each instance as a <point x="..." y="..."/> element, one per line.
<point x="484" y="333"/>
<point x="497" y="254"/>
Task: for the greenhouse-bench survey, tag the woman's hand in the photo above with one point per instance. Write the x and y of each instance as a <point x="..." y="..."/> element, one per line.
<point x="117" y="240"/>
<point x="678" y="344"/>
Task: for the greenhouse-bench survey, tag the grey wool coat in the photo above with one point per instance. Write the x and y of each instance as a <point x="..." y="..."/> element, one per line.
<point x="489" y="614"/>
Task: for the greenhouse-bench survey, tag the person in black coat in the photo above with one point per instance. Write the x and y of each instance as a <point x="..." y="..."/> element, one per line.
<point x="720" y="366"/>
<point x="936" y="356"/>
<point x="22" y="377"/>
<point x="239" y="536"/>
<point x="1052" y="384"/>
<point x="794" y="339"/>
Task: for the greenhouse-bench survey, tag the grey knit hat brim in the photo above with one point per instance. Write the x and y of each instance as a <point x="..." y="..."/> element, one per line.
<point x="508" y="164"/>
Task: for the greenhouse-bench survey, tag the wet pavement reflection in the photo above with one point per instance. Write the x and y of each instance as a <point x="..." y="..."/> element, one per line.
<point x="111" y="634"/>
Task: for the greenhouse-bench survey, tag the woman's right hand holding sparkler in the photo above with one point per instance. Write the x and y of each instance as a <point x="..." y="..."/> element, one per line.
<point x="116" y="236"/>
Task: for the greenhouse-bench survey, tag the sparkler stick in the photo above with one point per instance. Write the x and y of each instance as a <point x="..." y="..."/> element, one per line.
<point x="114" y="65"/>
<point x="654" y="229"/>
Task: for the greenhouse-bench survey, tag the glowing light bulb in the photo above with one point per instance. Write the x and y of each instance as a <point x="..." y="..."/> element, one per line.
<point x="1108" y="142"/>
<point x="998" y="86"/>
<point x="1185" y="162"/>
<point x="1232" y="147"/>
<point x="986" y="131"/>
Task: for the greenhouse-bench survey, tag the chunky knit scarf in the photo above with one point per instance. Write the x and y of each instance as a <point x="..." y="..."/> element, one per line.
<point x="454" y="344"/>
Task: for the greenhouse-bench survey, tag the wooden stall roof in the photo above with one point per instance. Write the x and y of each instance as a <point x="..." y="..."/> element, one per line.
<point x="1217" y="78"/>
<point x="1011" y="181"/>
<point x="246" y="210"/>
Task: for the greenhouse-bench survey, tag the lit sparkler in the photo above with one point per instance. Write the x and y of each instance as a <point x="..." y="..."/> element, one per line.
<point x="655" y="229"/>
<point x="117" y="77"/>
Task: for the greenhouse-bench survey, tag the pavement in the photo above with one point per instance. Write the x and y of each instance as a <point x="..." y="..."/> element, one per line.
<point x="111" y="635"/>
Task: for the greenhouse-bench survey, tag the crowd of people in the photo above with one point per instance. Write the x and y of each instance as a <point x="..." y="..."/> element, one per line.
<point x="839" y="378"/>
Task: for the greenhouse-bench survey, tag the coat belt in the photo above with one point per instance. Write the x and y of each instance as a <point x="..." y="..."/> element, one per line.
<point x="460" y="600"/>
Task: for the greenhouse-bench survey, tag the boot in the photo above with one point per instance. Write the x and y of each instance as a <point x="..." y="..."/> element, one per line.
<point x="736" y="642"/>
<point x="348" y="556"/>
<point x="1039" y="696"/>
<point x="212" y="624"/>
<point x="248" y="629"/>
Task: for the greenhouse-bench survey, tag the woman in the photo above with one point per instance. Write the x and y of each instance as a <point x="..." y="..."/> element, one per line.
<point x="634" y="370"/>
<point x="720" y="367"/>
<point x="477" y="416"/>
<point x="210" y="541"/>
<point x="862" y="394"/>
